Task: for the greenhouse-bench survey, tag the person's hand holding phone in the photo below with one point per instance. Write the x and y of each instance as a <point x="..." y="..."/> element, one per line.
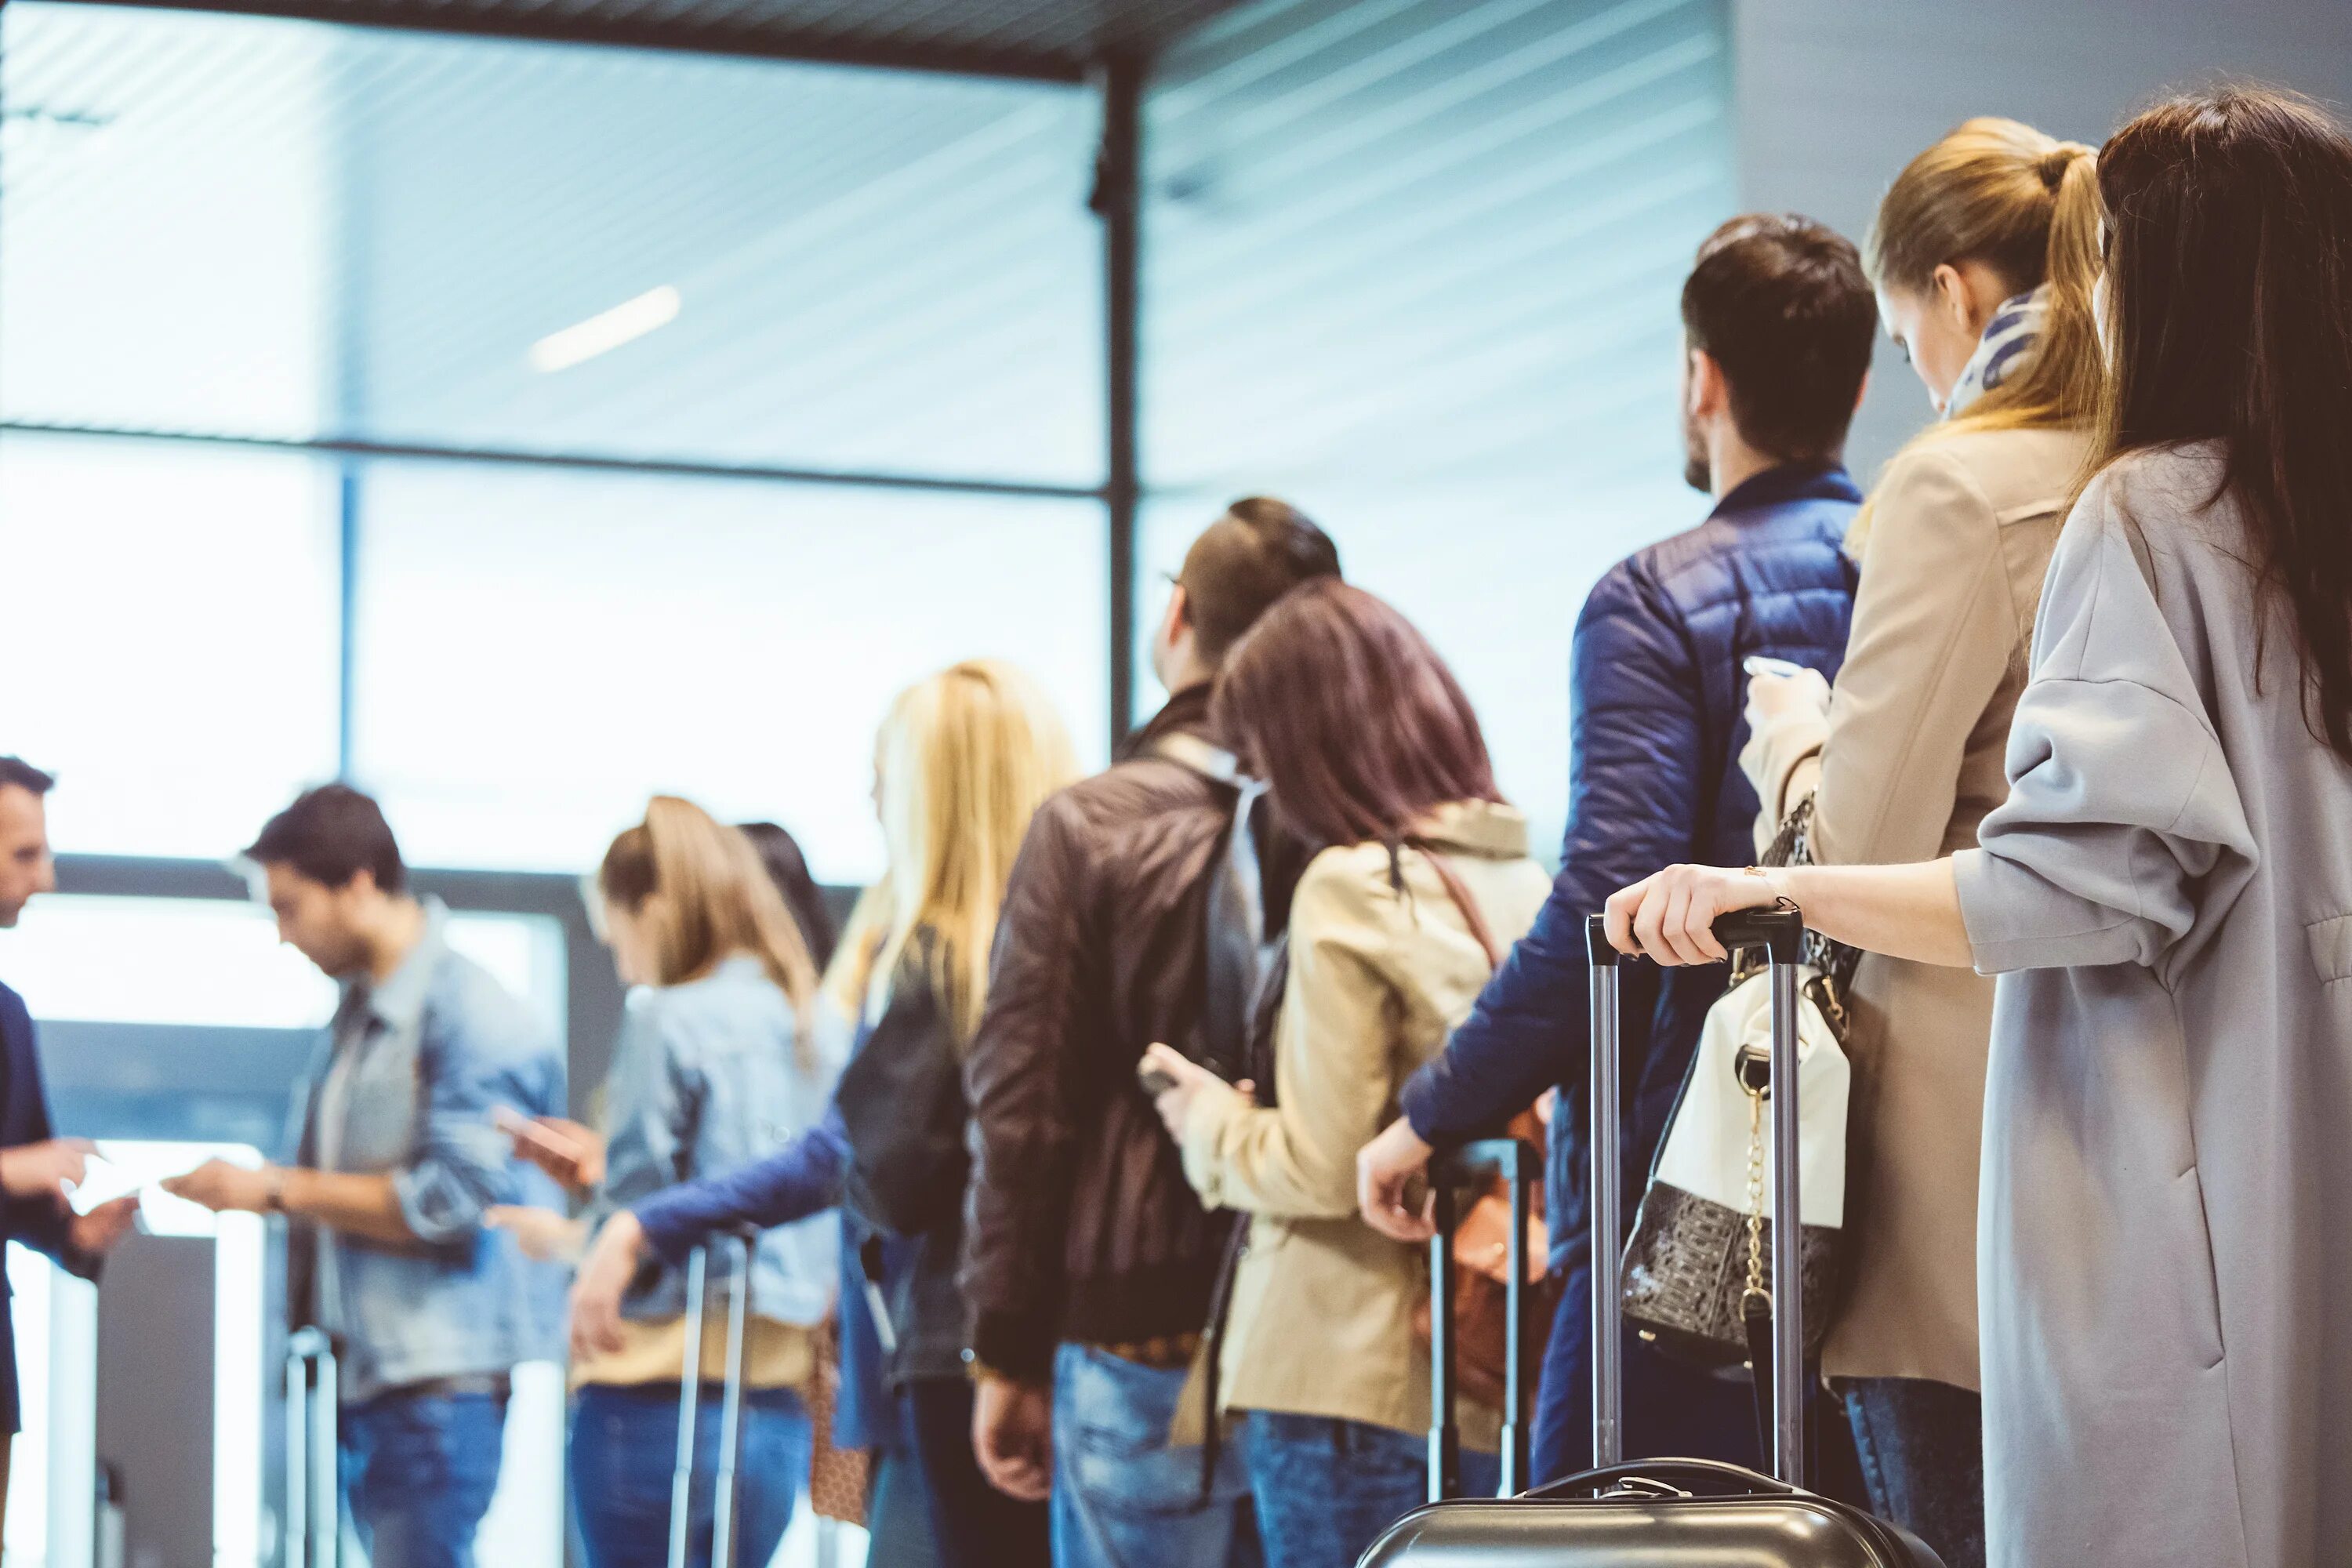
<point x="1776" y="687"/>
<point x="572" y="1154"/>
<point x="1174" y="1081"/>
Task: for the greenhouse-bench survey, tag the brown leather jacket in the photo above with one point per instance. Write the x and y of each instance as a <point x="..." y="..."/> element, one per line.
<point x="1082" y="1226"/>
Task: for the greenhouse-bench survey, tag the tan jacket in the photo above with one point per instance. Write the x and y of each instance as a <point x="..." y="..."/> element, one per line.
<point x="1322" y="1316"/>
<point x="1959" y="535"/>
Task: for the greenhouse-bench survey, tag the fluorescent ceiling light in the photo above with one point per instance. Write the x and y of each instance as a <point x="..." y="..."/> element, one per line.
<point x="602" y="333"/>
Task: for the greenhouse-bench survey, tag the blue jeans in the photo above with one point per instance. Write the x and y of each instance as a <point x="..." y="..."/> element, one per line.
<point x="417" y="1472"/>
<point x="1921" y="1450"/>
<point x="1123" y="1496"/>
<point x="1326" y="1489"/>
<point x="625" y="1452"/>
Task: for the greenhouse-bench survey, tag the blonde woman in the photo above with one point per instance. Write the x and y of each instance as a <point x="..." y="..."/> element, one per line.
<point x="721" y="1061"/>
<point x="1984" y="256"/>
<point x="966" y="756"/>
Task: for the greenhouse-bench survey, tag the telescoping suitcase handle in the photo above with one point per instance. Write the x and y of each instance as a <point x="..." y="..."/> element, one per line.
<point x="1472" y="1167"/>
<point x="1780" y="932"/>
<point x="741" y="1242"/>
<point x="314" y="1520"/>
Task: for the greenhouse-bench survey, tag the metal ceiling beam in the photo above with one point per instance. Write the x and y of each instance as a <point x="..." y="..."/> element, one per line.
<point x="1118" y="202"/>
<point x="587" y="462"/>
<point x="737" y="40"/>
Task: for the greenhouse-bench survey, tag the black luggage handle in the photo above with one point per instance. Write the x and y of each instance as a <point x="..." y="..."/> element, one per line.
<point x="1779" y="930"/>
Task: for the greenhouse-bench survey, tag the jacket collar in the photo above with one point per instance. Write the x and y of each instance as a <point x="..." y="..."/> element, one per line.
<point x="1485" y="827"/>
<point x="1787" y="482"/>
<point x="399" y="1002"/>
<point x="1188" y="711"/>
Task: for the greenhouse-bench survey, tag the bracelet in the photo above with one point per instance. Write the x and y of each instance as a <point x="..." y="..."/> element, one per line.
<point x="273" y="1200"/>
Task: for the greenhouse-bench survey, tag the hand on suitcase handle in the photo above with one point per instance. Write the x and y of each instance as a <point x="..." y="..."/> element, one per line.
<point x="1695" y="914"/>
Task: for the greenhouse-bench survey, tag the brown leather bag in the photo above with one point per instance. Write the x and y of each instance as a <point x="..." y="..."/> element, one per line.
<point x="1482" y="1237"/>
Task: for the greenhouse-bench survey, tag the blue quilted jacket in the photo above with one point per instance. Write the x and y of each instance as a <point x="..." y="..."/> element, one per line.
<point x="1655" y="731"/>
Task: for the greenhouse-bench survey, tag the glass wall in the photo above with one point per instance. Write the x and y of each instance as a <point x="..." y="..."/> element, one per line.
<point x="283" y="232"/>
<point x="1415" y="265"/>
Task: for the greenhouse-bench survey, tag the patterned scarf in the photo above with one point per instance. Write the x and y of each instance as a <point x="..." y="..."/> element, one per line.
<point x="2007" y="340"/>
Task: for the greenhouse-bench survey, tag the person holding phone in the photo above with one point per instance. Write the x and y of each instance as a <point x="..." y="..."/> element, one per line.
<point x="723" y="1059"/>
<point x="1372" y="756"/>
<point x="1985" y="257"/>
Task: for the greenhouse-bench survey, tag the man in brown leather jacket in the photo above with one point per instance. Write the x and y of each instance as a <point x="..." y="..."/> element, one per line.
<point x="1088" y="1261"/>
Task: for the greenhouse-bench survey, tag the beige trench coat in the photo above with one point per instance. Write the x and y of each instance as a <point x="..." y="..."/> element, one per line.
<point x="1322" y="1316"/>
<point x="1956" y="539"/>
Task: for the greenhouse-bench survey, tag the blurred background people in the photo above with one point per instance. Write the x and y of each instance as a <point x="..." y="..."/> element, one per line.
<point x="36" y="1168"/>
<point x="1777" y="324"/>
<point x="1985" y="256"/>
<point x="1370" y="754"/>
<point x="397" y="1162"/>
<point x="723" y="1059"/>
<point x="2167" y="1374"/>
<point x="1128" y="919"/>
<point x="965" y="757"/>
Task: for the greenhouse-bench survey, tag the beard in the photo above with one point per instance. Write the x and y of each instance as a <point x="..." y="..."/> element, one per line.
<point x="1697" y="472"/>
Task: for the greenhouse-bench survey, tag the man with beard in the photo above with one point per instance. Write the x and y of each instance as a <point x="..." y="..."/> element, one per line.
<point x="1777" y="324"/>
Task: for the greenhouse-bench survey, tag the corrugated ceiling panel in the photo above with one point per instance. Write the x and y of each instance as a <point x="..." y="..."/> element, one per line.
<point x="873" y="271"/>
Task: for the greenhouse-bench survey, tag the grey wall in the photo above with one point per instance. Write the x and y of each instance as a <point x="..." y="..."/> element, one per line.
<point x="1832" y="97"/>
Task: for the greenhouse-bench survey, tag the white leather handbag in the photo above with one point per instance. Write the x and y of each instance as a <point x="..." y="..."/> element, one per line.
<point x="1702" y="1249"/>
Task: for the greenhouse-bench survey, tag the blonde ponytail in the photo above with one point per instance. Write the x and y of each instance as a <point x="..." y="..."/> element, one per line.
<point x="2027" y="205"/>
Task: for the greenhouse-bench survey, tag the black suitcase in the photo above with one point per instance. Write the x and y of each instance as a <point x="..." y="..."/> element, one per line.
<point x="1657" y="1513"/>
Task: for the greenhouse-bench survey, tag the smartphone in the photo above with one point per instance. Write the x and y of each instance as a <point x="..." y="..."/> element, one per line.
<point x="1156" y="1080"/>
<point x="1760" y="664"/>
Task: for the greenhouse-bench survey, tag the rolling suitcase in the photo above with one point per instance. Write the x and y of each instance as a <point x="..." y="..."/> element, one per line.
<point x="1667" y="1510"/>
<point x="725" y="1523"/>
<point x="314" y="1515"/>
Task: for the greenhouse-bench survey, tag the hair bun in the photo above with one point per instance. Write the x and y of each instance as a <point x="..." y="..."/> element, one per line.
<point x="2053" y="165"/>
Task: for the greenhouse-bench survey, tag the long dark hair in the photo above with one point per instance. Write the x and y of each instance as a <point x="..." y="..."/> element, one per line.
<point x="787" y="867"/>
<point x="2230" y="305"/>
<point x="1349" y="715"/>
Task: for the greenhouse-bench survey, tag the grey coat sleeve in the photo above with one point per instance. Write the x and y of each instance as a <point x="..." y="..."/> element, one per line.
<point x="2122" y="806"/>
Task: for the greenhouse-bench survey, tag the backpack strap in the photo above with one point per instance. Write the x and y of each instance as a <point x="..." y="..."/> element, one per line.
<point x="1234" y="949"/>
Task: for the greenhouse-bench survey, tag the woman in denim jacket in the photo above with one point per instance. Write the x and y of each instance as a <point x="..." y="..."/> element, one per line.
<point x="723" y="1061"/>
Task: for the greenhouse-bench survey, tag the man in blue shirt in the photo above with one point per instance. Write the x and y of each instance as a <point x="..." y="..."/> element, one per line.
<point x="35" y="1167"/>
<point x="398" y="1161"/>
<point x="1777" y="320"/>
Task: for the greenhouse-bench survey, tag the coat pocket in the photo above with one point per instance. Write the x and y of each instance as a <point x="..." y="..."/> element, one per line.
<point x="2331" y="948"/>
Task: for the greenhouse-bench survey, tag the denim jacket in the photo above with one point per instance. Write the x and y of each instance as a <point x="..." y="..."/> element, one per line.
<point x="710" y="1077"/>
<point x="430" y="1054"/>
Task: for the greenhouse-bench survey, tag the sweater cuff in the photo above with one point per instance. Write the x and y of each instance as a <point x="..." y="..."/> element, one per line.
<point x="1204" y="1130"/>
<point x="1019" y="1345"/>
<point x="669" y="1231"/>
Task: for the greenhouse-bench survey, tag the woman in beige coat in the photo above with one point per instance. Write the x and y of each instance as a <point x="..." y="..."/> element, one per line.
<point x="1370" y="752"/>
<point x="1985" y="254"/>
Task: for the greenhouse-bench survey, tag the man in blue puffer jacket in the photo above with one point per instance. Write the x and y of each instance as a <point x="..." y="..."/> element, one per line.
<point x="1778" y="321"/>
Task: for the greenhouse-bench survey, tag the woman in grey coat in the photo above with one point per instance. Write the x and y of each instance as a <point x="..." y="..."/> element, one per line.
<point x="2165" y="895"/>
